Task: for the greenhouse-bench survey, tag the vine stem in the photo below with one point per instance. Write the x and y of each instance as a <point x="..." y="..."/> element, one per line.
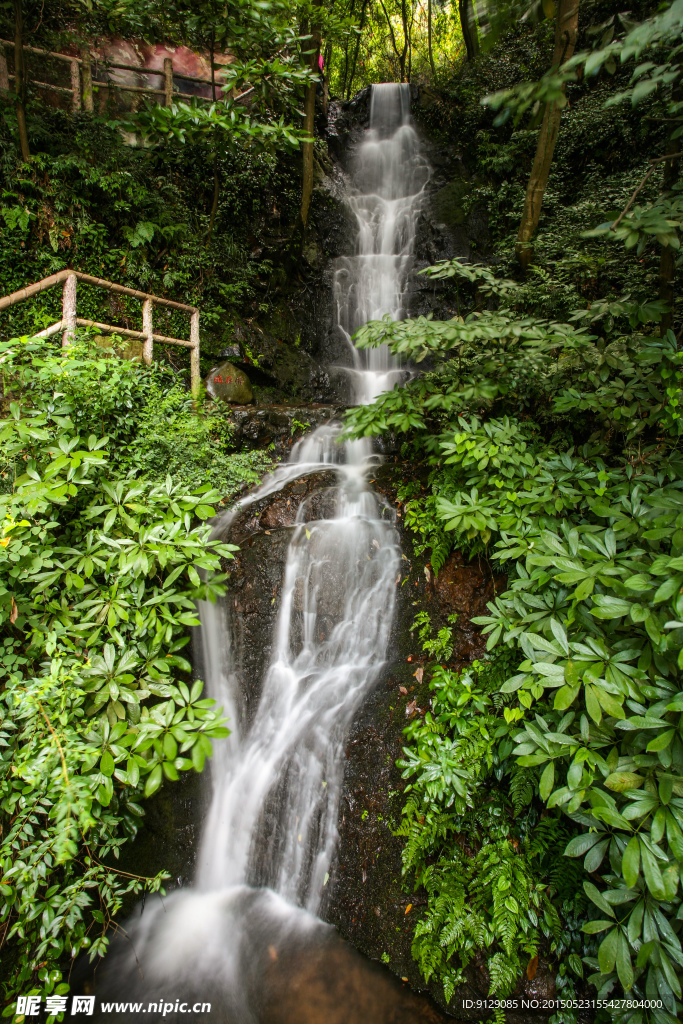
<point x="59" y="745"/>
<point x="657" y="160"/>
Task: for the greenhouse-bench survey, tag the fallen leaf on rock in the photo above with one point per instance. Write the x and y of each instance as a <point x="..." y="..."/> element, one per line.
<point x="402" y="690"/>
<point x="418" y="674"/>
<point x="532" y="967"/>
<point x="411" y="708"/>
<point x="409" y="908"/>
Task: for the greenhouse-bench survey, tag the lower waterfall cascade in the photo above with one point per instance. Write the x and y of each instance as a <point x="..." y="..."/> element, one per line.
<point x="270" y="834"/>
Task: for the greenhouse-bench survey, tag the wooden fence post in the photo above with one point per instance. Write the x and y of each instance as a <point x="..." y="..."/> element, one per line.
<point x="4" y="77"/>
<point x="86" y="68"/>
<point x="69" y="310"/>
<point x="168" y="81"/>
<point x="148" y="331"/>
<point x="195" y="379"/>
<point x="75" y="86"/>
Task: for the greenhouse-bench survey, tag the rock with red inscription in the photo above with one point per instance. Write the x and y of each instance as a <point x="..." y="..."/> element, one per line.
<point x="228" y="384"/>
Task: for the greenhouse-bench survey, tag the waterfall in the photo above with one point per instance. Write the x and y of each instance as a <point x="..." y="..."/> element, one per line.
<point x="389" y="175"/>
<point x="271" y="830"/>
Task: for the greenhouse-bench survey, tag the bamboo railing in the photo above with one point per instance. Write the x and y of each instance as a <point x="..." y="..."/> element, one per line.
<point x="83" y="85"/>
<point x="70" y="320"/>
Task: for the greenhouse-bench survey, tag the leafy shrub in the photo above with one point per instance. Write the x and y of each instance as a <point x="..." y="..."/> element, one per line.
<point x="99" y="578"/>
<point x="488" y="872"/>
<point x="173" y="438"/>
<point x="556" y="453"/>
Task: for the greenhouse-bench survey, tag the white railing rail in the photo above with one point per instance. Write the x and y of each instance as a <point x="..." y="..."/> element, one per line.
<point x="70" y="319"/>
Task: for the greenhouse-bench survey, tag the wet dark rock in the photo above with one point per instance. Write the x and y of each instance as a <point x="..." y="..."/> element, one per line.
<point x="280" y="425"/>
<point x="263" y="532"/>
<point x="281" y="509"/>
<point x="226" y="383"/>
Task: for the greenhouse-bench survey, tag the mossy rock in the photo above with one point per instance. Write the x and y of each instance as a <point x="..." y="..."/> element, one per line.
<point x="124" y="348"/>
<point x="447" y="203"/>
<point x="228" y="384"/>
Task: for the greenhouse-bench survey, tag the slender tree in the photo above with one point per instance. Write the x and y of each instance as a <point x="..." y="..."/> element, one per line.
<point x="403" y="52"/>
<point x="309" y="126"/>
<point x="20" y="79"/>
<point x="361" y="26"/>
<point x="469" y="28"/>
<point x="429" y="38"/>
<point x="566" y="29"/>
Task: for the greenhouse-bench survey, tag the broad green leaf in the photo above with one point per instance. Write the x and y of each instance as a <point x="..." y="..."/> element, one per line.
<point x="547" y="781"/>
<point x="580" y="845"/>
<point x="630" y="864"/>
<point x="597" y="898"/>
<point x="623" y="962"/>
<point x="607" y="952"/>
<point x="107" y="764"/>
<point x="595" y="857"/>
<point x="153" y="780"/>
<point x="619" y="782"/>
<point x="662" y="741"/>
<point x="652" y="873"/>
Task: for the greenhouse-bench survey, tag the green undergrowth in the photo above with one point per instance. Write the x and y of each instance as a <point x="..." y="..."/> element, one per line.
<point x="568" y="478"/>
<point x="107" y="476"/>
<point x="488" y="857"/>
<point x="172" y="438"/>
<point x="138" y="216"/>
<point x="544" y="803"/>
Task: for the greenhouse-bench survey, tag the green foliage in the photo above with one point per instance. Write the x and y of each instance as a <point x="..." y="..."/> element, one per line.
<point x="590" y="536"/>
<point x="172" y="437"/>
<point x="549" y="415"/>
<point x="488" y="875"/>
<point x="440" y="646"/>
<point x="140" y="216"/>
<point x="99" y="578"/>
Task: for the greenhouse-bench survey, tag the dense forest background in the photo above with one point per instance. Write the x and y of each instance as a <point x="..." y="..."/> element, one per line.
<point x="543" y="814"/>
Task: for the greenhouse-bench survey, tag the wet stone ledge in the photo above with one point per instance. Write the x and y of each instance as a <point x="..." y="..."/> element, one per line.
<point x="279" y="425"/>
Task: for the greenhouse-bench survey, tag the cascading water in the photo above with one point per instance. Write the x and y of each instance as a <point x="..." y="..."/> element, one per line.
<point x="389" y="177"/>
<point x="271" y="830"/>
<point x="332" y="633"/>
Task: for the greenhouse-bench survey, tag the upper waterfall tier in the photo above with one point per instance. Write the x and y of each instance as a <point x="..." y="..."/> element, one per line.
<point x="389" y="173"/>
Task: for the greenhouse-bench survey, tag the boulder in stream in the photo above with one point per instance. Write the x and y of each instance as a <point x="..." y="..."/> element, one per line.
<point x="226" y="383"/>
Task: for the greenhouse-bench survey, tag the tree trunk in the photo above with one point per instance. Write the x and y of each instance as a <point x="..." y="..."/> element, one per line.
<point x="355" y="55"/>
<point x="566" y="29"/>
<point x="429" y="39"/>
<point x="309" y="126"/>
<point x="20" y="80"/>
<point x="469" y="29"/>
<point x="326" y="77"/>
<point x="347" y="43"/>
<point x="406" y="43"/>
<point x="213" y="66"/>
<point x="401" y="55"/>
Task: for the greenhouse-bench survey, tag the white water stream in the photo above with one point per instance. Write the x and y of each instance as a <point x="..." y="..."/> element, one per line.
<point x="276" y="782"/>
